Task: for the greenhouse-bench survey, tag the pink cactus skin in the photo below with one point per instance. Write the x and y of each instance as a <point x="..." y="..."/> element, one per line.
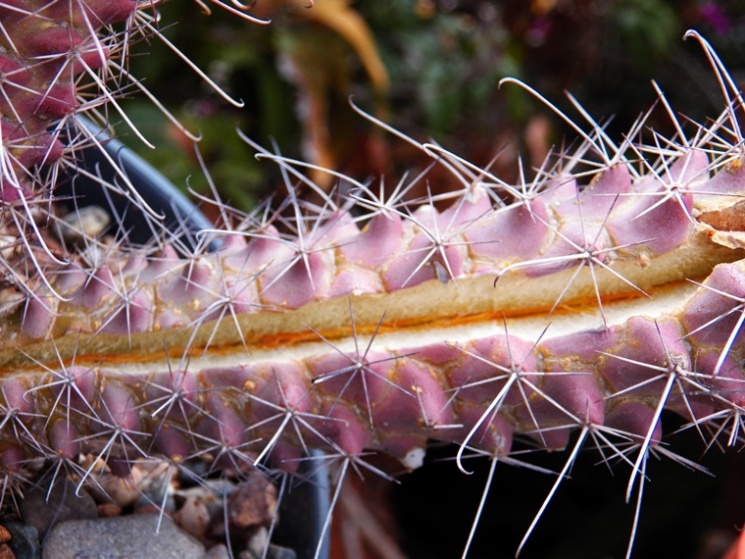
<point x="475" y="379"/>
<point x="395" y="400"/>
<point x="531" y="314"/>
<point x="214" y="356"/>
<point x="46" y="47"/>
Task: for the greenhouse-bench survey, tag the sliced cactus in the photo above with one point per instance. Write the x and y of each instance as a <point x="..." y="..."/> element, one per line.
<point x="584" y="304"/>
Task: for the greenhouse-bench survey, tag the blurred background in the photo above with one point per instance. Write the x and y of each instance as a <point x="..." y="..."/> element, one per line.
<point x="430" y="68"/>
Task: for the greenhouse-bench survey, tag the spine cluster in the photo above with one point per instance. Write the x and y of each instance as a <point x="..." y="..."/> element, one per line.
<point x="47" y="47"/>
<point x="390" y="396"/>
<point x="570" y="307"/>
<point x="609" y="290"/>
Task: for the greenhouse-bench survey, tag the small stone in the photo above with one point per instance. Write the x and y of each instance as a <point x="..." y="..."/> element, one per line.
<point x="219" y="551"/>
<point x="144" y="485"/>
<point x="272" y="552"/>
<point x="260" y="548"/>
<point x="198" y="505"/>
<point x="155" y="488"/>
<point x="139" y="536"/>
<point x="4" y="534"/>
<point x="8" y="245"/>
<point x="258" y="545"/>
<point x="87" y="222"/>
<point x="24" y="540"/>
<point x="118" y="490"/>
<point x="145" y="507"/>
<point x="109" y="510"/>
<point x="194" y="515"/>
<point x="157" y="481"/>
<point x="44" y="507"/>
<point x="251" y="505"/>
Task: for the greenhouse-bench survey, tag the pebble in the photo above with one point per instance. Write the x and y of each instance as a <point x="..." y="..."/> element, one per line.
<point x="110" y="518"/>
<point x="194" y="515"/>
<point x="156" y="486"/>
<point x="5" y="551"/>
<point x="43" y="508"/>
<point x="124" y="537"/>
<point x="196" y="506"/>
<point x="219" y="551"/>
<point x="260" y="548"/>
<point x="107" y="510"/>
<point x="24" y="540"/>
<point x="250" y="506"/>
<point x="85" y="223"/>
<point x="145" y="485"/>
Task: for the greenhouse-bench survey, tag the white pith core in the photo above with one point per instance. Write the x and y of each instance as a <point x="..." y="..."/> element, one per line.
<point x="527" y="328"/>
<point x="666" y="301"/>
<point x="432" y="312"/>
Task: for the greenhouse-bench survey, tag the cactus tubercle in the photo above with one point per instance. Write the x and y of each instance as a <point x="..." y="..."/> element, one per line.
<point x="364" y="324"/>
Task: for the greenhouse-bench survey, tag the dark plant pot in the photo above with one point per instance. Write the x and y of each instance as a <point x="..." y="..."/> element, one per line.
<point x="181" y="218"/>
<point x="305" y="508"/>
<point x="587" y="517"/>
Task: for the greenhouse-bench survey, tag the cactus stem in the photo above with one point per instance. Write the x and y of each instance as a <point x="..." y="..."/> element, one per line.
<point x="521" y="313"/>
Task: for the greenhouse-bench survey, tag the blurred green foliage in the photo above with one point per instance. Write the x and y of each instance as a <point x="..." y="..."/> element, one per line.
<point x="444" y="58"/>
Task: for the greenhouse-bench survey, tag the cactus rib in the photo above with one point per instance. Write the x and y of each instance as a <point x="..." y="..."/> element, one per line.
<point x="607" y="292"/>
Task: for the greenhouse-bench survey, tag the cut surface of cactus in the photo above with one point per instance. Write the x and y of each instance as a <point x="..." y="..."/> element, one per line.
<point x="571" y="313"/>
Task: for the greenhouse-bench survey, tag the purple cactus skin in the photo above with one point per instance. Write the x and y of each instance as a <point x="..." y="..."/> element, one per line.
<point x="46" y="47"/>
<point x="515" y="312"/>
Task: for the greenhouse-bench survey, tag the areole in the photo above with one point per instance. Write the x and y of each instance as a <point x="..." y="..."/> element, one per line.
<point x="515" y="312"/>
